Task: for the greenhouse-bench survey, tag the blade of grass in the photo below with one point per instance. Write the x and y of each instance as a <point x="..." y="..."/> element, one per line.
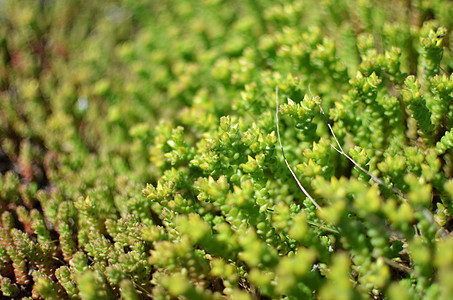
<point x="286" y="161"/>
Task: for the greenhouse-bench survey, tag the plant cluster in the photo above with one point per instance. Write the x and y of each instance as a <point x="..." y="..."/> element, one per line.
<point x="140" y="156"/>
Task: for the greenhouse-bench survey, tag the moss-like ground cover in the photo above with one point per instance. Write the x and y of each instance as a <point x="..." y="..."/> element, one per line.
<point x="140" y="157"/>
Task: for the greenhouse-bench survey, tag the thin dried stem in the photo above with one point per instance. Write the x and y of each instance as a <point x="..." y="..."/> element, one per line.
<point x="426" y="213"/>
<point x="284" y="157"/>
<point x="340" y="150"/>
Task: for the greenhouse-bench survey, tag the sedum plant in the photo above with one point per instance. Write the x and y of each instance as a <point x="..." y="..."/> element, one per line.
<point x="239" y="150"/>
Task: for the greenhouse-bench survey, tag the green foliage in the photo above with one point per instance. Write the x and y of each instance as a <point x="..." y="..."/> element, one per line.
<point x="139" y="153"/>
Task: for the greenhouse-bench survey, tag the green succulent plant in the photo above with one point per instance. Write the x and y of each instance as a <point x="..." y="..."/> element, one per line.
<point x="241" y="149"/>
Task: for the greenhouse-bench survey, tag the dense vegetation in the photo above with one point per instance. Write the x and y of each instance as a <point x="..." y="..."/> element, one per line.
<point x="140" y="158"/>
